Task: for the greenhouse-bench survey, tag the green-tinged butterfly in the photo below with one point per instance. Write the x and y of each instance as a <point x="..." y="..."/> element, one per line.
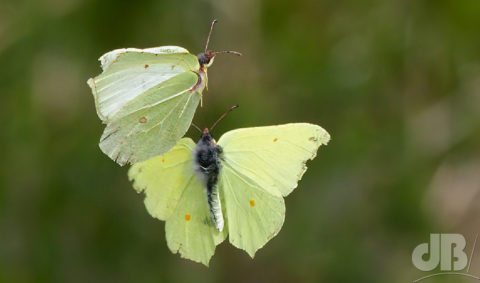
<point x="147" y="98"/>
<point x="234" y="187"/>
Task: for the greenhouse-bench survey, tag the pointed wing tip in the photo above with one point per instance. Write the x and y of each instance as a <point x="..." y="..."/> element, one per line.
<point x="115" y="156"/>
<point x="322" y="135"/>
<point x="249" y="250"/>
<point x="204" y="262"/>
<point x="93" y="87"/>
<point x="325" y="137"/>
<point x="90" y="82"/>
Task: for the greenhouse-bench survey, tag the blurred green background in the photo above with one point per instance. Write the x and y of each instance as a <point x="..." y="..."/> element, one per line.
<point x="396" y="83"/>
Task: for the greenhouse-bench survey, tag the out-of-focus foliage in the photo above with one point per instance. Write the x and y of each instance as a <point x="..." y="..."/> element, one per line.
<point x="396" y="83"/>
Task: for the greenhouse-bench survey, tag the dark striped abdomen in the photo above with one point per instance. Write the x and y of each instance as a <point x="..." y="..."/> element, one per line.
<point x="207" y="166"/>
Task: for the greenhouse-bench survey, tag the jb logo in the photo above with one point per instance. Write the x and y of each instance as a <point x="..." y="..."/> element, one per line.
<point x="446" y="251"/>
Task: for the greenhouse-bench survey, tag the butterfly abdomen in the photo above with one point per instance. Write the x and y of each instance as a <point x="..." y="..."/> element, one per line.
<point x="207" y="166"/>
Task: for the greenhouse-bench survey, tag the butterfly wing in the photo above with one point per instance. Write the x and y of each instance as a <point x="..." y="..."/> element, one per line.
<point x="253" y="215"/>
<point x="129" y="72"/>
<point x="173" y="194"/>
<point x="147" y="98"/>
<point x="139" y="132"/>
<point x="261" y="165"/>
<point x="190" y="230"/>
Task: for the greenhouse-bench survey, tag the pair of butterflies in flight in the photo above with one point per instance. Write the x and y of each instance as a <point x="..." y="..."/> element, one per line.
<point x="205" y="191"/>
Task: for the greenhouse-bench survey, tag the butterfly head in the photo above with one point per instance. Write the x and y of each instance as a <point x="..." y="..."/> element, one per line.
<point x="206" y="58"/>
<point x="207" y="137"/>
<point x="206" y="132"/>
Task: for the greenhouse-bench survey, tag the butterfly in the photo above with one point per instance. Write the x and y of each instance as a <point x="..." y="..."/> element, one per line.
<point x="147" y="98"/>
<point x="208" y="191"/>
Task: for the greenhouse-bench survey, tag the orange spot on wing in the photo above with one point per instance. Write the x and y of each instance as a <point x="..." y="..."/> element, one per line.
<point x="187" y="217"/>
<point x="275" y="139"/>
<point x="252" y="203"/>
<point x="146" y="66"/>
<point x="163" y="159"/>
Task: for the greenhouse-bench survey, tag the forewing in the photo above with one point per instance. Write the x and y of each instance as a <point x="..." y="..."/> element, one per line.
<point x="127" y="73"/>
<point x="153" y="123"/>
<point x="253" y="215"/>
<point x="273" y="156"/>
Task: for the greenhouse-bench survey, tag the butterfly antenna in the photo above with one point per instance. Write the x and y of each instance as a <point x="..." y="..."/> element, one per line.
<point x="197" y="127"/>
<point x="210" y="33"/>
<point x="231" y="52"/>
<point x="223" y="116"/>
